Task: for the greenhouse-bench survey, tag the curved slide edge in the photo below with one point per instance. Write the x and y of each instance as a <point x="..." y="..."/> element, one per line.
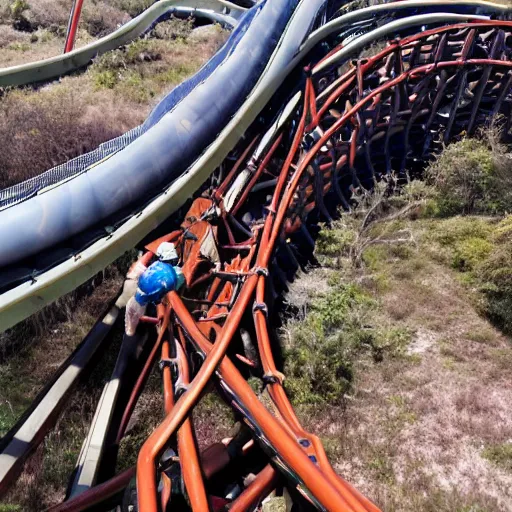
<point x="60" y="65"/>
<point x="427" y="12"/>
<point x="28" y="432"/>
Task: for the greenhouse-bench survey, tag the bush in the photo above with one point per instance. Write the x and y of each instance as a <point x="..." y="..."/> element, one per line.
<point x="106" y="79"/>
<point x="322" y="348"/>
<point x="318" y="362"/>
<point x="458" y="229"/>
<point x="142" y="50"/>
<point x="470" y="252"/>
<point x="47" y="13"/>
<point x="18" y="7"/>
<point x="173" y="29"/>
<point x="335" y="242"/>
<point x="472" y="176"/>
<point x="495" y="276"/>
<point x="101" y="18"/>
<point x="97" y="17"/>
<point x="483" y="249"/>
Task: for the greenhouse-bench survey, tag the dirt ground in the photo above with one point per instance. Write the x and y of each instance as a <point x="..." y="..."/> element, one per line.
<point x="431" y="430"/>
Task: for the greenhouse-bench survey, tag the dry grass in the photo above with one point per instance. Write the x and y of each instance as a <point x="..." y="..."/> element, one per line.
<point x="428" y="431"/>
<point x="45" y="476"/>
<point x="37" y="131"/>
<point x="18" y="47"/>
<point x="42" y="133"/>
<point x="213" y="420"/>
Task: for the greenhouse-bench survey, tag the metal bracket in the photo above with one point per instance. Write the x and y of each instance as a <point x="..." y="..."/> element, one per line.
<point x="261" y="271"/>
<point x="168" y="363"/>
<point x="272" y="378"/>
<point x="260" y="306"/>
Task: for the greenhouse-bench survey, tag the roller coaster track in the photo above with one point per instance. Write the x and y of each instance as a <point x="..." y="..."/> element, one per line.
<point x="319" y="126"/>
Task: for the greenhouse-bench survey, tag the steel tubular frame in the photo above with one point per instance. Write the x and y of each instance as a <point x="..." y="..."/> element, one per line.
<point x="356" y="122"/>
<point x="378" y="104"/>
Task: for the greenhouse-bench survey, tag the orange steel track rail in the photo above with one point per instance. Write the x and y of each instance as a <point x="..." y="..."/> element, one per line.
<point x="295" y="193"/>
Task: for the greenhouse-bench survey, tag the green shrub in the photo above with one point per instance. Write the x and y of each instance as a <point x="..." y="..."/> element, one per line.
<point x="318" y="362"/>
<point x="106" y="79"/>
<point x="134" y="87"/>
<point x="500" y="454"/>
<point x="472" y="176"/>
<point x="175" y="74"/>
<point x="334" y="242"/>
<point x="469" y="253"/>
<point x="495" y="276"/>
<point x="482" y="248"/>
<point x="318" y="369"/>
<point x="19" y="47"/>
<point x="18" y="7"/>
<point x="458" y="229"/>
<point x="9" y="508"/>
<point x="502" y="233"/>
<point x="105" y="70"/>
<point x="141" y="50"/>
<point x="322" y="348"/>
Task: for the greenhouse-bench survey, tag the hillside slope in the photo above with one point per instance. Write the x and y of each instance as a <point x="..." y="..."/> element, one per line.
<point x="422" y="420"/>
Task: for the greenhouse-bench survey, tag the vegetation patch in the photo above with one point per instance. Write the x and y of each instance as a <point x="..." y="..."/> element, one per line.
<point x="339" y="326"/>
<point x="480" y="248"/>
<point x="494" y="275"/>
<point x="394" y="345"/>
<point x="472" y="176"/>
<point x="500" y="454"/>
